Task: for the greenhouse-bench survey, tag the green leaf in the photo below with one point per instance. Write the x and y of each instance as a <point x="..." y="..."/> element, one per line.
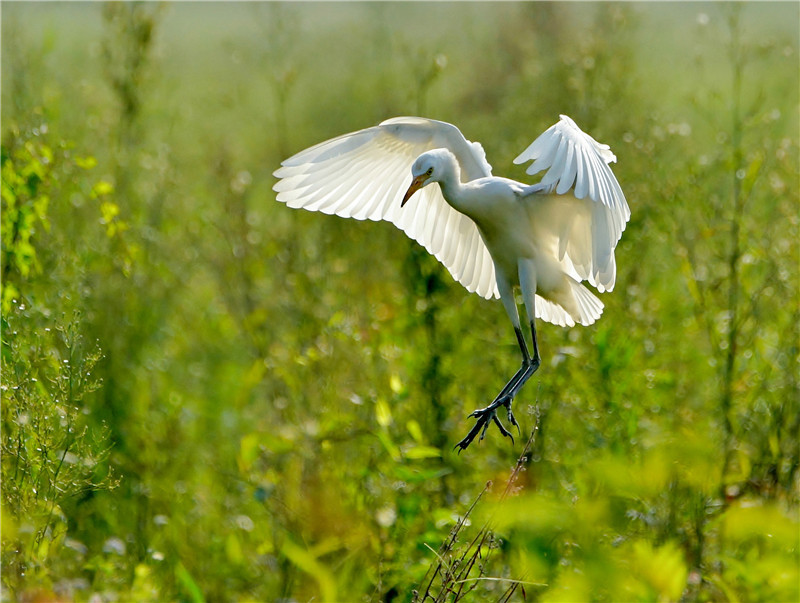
<point x="307" y="562"/>
<point x="422" y="452"/>
<point x="383" y="414"/>
<point x="390" y="446"/>
<point x="415" y="430"/>
<point x="185" y="579"/>
<point x="86" y="163"/>
<point x="102" y="187"/>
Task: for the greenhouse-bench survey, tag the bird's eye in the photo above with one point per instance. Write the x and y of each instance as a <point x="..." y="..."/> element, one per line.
<point x="430" y="171"/>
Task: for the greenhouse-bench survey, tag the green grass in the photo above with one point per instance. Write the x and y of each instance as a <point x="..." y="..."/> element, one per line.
<point x="209" y="396"/>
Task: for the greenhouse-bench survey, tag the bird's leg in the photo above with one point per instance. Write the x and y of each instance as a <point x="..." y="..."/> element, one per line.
<point x="533" y="364"/>
<point x="484" y="415"/>
<point x="526" y="371"/>
<point x="526" y="359"/>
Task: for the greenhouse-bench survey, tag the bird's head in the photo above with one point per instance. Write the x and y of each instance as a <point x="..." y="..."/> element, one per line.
<point x="428" y="167"/>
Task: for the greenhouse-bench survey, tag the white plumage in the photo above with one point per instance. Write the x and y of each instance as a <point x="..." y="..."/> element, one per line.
<point x="490" y="233"/>
<point x="364" y="174"/>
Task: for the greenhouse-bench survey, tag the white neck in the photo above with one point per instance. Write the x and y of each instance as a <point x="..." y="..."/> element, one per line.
<point x="450" y="181"/>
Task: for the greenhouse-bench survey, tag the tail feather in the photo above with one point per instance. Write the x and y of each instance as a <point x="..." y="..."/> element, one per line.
<point x="581" y="307"/>
<point x="589" y="307"/>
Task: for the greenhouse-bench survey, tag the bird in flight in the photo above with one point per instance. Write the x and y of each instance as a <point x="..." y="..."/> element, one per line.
<point x="491" y="233"/>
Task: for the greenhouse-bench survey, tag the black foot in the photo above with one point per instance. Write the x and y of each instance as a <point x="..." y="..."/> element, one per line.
<point x="485" y="416"/>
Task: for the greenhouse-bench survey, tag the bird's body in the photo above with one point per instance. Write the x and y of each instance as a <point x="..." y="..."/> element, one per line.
<point x="516" y="222"/>
<point x="491" y="233"/>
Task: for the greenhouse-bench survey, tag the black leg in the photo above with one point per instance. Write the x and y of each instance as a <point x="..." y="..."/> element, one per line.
<point x="486" y="415"/>
<point x="533" y="365"/>
<point x="526" y="359"/>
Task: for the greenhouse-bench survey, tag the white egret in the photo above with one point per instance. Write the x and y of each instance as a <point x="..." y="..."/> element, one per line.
<point x="491" y="233"/>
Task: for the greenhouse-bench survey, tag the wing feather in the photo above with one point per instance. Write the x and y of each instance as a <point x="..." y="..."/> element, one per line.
<point x="364" y="174"/>
<point x="588" y="212"/>
<point x="586" y="171"/>
<point x="570" y="169"/>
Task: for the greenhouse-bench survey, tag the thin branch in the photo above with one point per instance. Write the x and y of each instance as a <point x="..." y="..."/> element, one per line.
<point x="498" y="579"/>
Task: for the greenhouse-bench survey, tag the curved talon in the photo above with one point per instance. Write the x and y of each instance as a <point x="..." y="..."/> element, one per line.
<point x="486" y="426"/>
<point x="462" y="445"/>
<point x="503" y="430"/>
<point x="530" y="364"/>
<point x="484" y="417"/>
<point x="513" y="421"/>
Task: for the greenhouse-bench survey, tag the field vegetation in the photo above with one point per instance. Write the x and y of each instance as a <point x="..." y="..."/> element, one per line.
<point x="207" y="396"/>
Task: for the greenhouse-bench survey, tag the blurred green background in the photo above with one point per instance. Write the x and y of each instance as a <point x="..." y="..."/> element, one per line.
<point x="207" y="396"/>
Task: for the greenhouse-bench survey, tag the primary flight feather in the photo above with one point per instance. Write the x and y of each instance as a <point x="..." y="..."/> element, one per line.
<point x="490" y="233"/>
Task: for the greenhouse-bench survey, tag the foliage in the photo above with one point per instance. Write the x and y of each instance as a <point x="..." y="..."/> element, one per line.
<point x="51" y="453"/>
<point x="207" y="396"/>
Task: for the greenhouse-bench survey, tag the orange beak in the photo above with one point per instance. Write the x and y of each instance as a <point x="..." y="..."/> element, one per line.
<point x="415" y="186"/>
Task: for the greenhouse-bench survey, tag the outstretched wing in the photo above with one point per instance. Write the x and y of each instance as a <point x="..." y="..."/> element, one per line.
<point x="364" y="174"/>
<point x="587" y="232"/>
